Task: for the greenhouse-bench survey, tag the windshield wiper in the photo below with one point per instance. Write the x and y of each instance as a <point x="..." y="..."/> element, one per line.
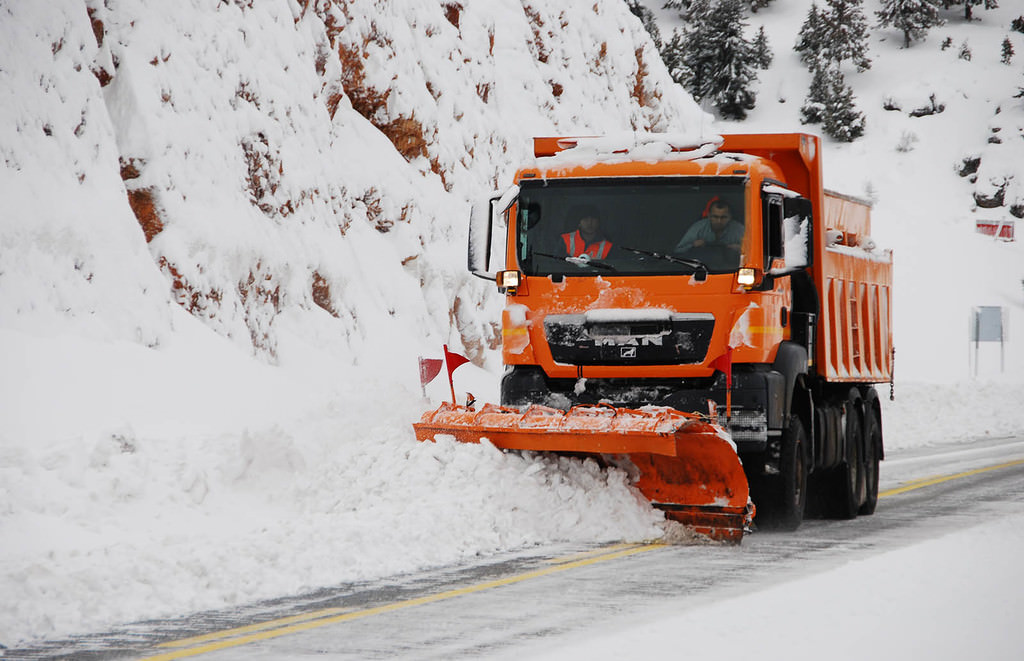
<point x="698" y="266"/>
<point x="581" y="261"/>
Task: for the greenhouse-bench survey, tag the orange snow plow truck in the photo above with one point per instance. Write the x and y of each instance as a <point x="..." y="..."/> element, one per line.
<point x="703" y="314"/>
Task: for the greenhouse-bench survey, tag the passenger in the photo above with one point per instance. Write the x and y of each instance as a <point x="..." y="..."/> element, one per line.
<point x="716" y="228"/>
<point x="588" y="238"/>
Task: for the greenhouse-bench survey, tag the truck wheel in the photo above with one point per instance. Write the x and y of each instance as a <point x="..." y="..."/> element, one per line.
<point x="781" y="499"/>
<point x="872" y="441"/>
<point x="793" y="477"/>
<point x="847" y="483"/>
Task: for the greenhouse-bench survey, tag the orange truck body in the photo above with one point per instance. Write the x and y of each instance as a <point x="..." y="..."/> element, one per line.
<point x="776" y="336"/>
<point x="854" y="336"/>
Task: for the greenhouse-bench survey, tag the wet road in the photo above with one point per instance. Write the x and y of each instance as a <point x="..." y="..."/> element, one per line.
<point x="505" y="604"/>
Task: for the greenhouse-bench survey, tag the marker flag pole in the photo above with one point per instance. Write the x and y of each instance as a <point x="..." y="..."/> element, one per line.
<point x="453" y="360"/>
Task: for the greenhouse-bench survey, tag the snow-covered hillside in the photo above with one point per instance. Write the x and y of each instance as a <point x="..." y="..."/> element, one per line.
<point x="230" y="228"/>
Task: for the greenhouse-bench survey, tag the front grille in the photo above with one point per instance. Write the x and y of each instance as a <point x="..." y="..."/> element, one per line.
<point x="745" y="425"/>
<point x="603" y="337"/>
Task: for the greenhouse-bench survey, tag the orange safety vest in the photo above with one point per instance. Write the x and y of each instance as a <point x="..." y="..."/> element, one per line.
<point x="576" y="246"/>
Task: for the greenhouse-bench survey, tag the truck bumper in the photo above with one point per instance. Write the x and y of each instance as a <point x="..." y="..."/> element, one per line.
<point x="758" y="397"/>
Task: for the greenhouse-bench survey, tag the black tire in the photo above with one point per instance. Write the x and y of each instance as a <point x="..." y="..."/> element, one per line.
<point x="793" y="477"/>
<point x="781" y="499"/>
<point x="847" y="481"/>
<point x="872" y="445"/>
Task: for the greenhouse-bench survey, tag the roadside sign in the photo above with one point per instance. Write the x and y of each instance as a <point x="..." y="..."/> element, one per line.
<point x="1000" y="229"/>
<point x="988" y="324"/>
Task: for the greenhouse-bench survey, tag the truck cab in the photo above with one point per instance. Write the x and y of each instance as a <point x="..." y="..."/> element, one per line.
<point x="649" y="317"/>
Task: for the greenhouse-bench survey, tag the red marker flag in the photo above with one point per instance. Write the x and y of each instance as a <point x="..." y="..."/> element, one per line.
<point x="724" y="364"/>
<point x="453" y="360"/>
<point x="429" y="369"/>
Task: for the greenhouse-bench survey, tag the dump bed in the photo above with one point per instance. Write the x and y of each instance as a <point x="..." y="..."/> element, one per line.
<point x="854" y="283"/>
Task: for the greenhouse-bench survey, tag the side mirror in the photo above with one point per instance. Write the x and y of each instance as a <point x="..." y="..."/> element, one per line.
<point x="771" y="208"/>
<point x="788" y="231"/>
<point x="798" y="233"/>
<point x="481" y="230"/>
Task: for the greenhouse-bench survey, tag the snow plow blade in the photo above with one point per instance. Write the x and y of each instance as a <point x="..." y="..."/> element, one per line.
<point x="683" y="464"/>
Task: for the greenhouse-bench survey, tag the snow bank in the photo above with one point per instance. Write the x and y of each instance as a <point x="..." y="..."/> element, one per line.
<point x="158" y="524"/>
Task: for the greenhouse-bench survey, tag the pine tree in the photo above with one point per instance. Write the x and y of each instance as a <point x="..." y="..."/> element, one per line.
<point x="758" y="4"/>
<point x="646" y="17"/>
<point x="733" y="72"/>
<point x="845" y="33"/>
<point x="687" y="8"/>
<point x="673" y="55"/>
<point x="841" y="119"/>
<point x="1007" y="51"/>
<point x="830" y="102"/>
<point x="913" y="17"/>
<point x="717" y="63"/>
<point x="813" y="110"/>
<point x="762" y="50"/>
<point x="808" y="41"/>
<point x="696" y="50"/>
<point x="969" y="6"/>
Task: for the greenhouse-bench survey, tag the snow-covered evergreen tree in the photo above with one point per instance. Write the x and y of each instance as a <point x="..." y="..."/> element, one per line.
<point x="762" y="50"/>
<point x="687" y="8"/>
<point x="697" y="51"/>
<point x="913" y="17"/>
<point x="830" y="102"/>
<point x="694" y="48"/>
<point x="969" y="6"/>
<point x="1007" y="51"/>
<point x="813" y="110"/>
<point x="809" y="39"/>
<point x="646" y="17"/>
<point x="733" y="71"/>
<point x="845" y="33"/>
<point x="840" y="118"/>
<point x="716" y="62"/>
<point x="673" y="55"/>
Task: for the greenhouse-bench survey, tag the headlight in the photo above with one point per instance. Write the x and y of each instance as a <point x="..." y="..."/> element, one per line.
<point x="509" y="281"/>
<point x="746" y="277"/>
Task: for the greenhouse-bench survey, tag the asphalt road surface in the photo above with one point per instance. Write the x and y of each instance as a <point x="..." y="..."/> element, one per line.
<point x="512" y="601"/>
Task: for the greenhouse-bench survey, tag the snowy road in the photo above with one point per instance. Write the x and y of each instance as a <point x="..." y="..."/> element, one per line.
<point x="527" y="603"/>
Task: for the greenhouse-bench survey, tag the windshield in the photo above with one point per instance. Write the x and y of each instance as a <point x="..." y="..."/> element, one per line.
<point x="649" y="226"/>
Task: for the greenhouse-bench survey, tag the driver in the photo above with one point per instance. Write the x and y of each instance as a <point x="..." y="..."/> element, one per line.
<point x="715" y="228"/>
<point x="588" y="238"/>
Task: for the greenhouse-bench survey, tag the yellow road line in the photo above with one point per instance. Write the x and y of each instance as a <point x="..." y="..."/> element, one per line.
<point x="587" y="554"/>
<point x="929" y="481"/>
<point x="282" y="628"/>
<point x="227" y="633"/>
